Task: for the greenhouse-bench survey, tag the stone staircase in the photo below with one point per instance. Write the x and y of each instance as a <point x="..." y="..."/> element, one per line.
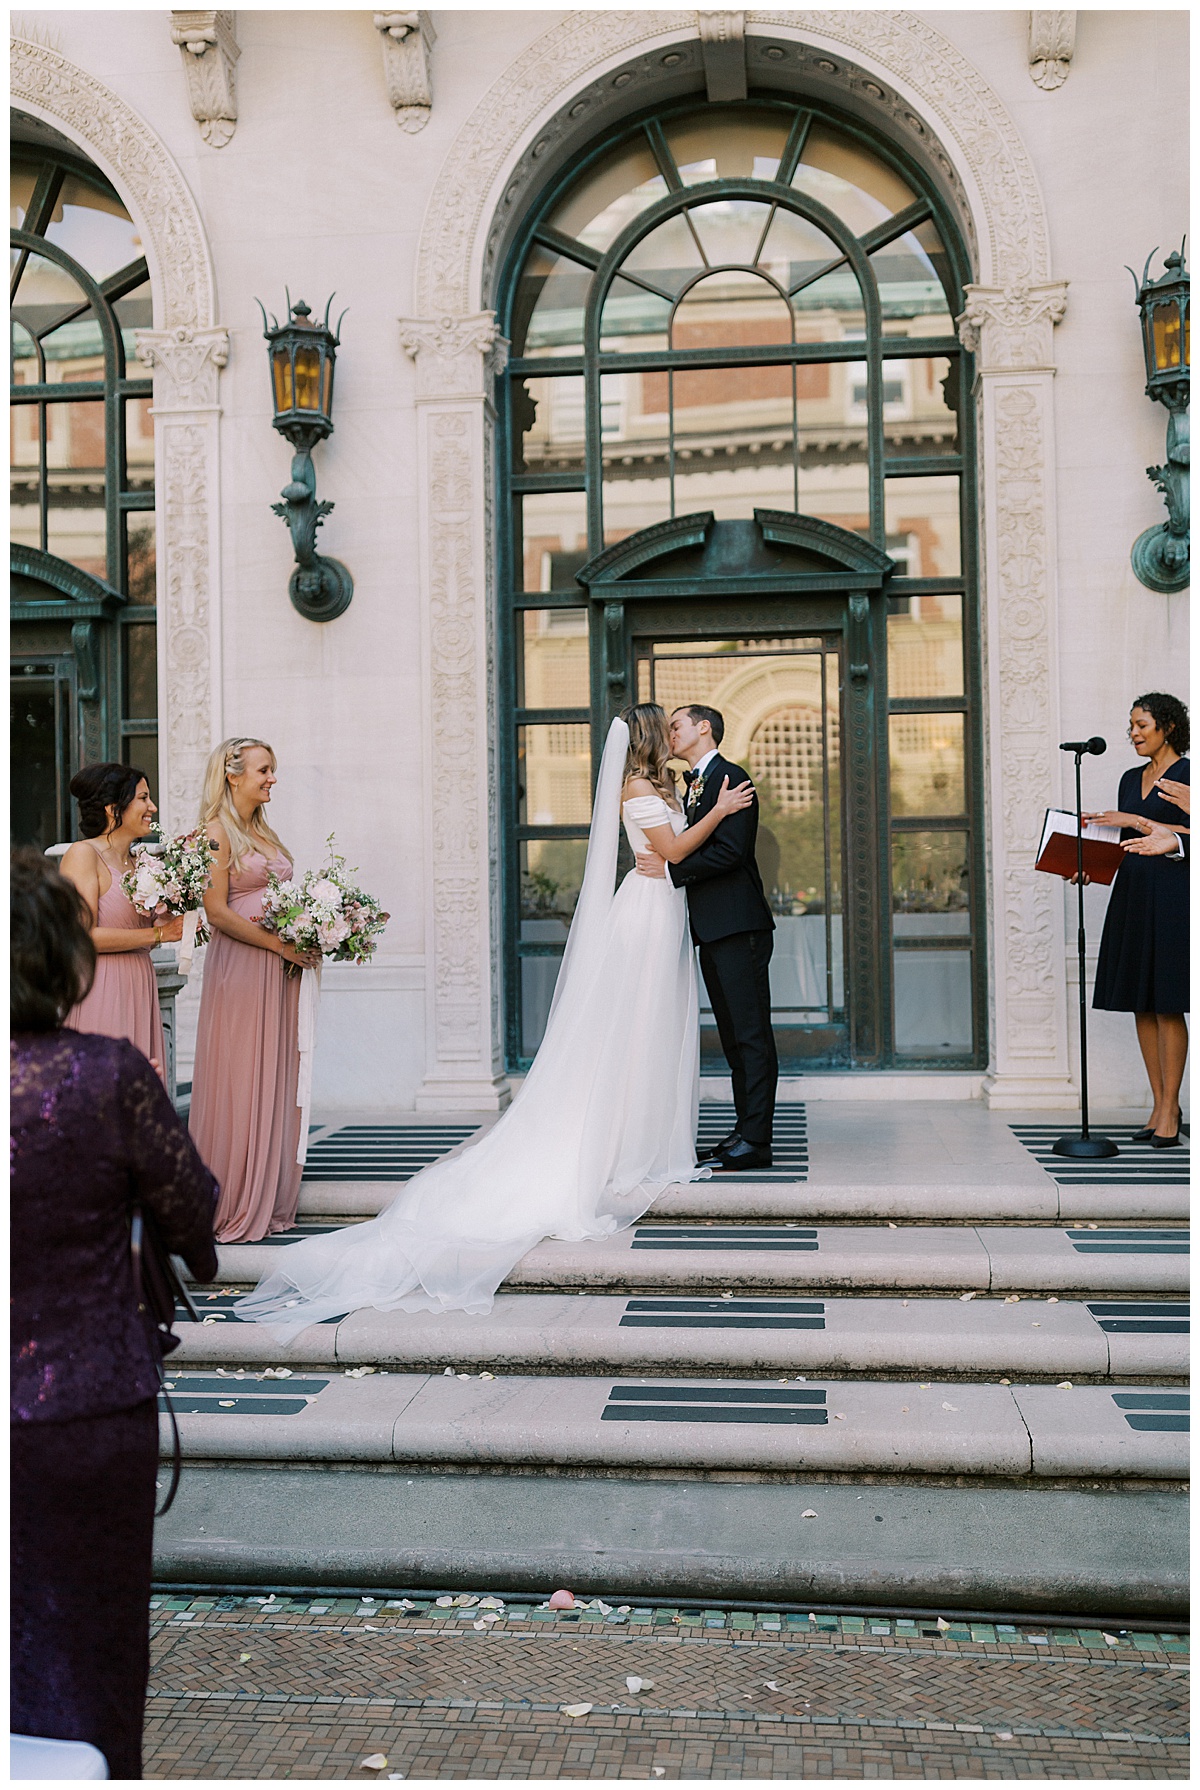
<point x="965" y="1391"/>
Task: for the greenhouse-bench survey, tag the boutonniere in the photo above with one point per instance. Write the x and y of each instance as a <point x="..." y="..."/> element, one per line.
<point x="695" y="791"/>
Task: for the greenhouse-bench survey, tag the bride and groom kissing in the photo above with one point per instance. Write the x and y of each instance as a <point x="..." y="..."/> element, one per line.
<point x="605" y="1119"/>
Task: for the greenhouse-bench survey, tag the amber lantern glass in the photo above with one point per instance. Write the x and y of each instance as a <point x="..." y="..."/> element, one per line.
<point x="281" y="374"/>
<point x="327" y="393"/>
<point x="308" y="379"/>
<point x="1167" y="345"/>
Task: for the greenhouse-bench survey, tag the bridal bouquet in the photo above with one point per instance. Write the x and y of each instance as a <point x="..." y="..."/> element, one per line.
<point x="173" y="872"/>
<point x="325" y="911"/>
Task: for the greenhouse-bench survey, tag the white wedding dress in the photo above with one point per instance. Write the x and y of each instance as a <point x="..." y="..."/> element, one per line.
<point x="605" y="1120"/>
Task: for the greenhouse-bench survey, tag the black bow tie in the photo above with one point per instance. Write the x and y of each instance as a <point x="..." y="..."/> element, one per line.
<point x="689" y="778"/>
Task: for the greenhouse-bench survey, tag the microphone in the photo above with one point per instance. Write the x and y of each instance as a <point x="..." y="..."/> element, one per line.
<point x="1095" y="745"/>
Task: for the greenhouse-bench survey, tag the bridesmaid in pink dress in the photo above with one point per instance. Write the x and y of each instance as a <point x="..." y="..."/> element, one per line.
<point x="115" y="811"/>
<point x="244" y="1118"/>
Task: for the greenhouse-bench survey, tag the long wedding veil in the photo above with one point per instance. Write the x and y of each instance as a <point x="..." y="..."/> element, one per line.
<point x="600" y="872"/>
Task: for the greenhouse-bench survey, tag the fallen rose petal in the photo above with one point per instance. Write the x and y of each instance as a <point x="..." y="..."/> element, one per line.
<point x="770" y="1685"/>
<point x="373" y="1762"/>
<point x="963" y="1297"/>
<point x="809" y="1513"/>
<point x="562" y="1600"/>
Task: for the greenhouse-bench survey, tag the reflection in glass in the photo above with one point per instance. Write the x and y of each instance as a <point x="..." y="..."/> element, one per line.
<point x="730" y="230"/>
<point x="619" y="187"/>
<point x="94" y="228"/>
<point x="139" y="443"/>
<point x="923" y="529"/>
<point x="547" y="424"/>
<point x="75" y="521"/>
<point x="141" y="557"/>
<point x="553" y="673"/>
<point x="141" y="672"/>
<point x="926" y="754"/>
<point x="794" y="249"/>
<point x="913" y="276"/>
<point x="930" y="877"/>
<point x="554" y="539"/>
<point x="46" y="295"/>
<point x="920" y="400"/>
<point x="731" y="415"/>
<point x="24" y="356"/>
<point x="668" y="258"/>
<point x="925" y="645"/>
<point x="731" y="309"/>
<point x="135" y="311"/>
<point x="933" y="1003"/>
<point x="855" y="184"/>
<point x="548" y="307"/>
<point x="551" y="875"/>
<point x="141" y="749"/>
<point x="830" y="309"/>
<point x="633" y="318"/>
<point x="728" y="144"/>
<point x="554" y="763"/>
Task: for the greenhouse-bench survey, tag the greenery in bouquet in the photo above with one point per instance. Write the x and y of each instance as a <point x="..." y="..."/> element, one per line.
<point x="172" y="872"/>
<point x="325" y="910"/>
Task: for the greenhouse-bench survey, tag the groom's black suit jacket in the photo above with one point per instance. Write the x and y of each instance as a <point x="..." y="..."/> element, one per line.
<point x="724" y="889"/>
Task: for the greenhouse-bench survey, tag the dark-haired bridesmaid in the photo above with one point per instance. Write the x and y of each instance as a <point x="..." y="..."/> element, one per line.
<point x="115" y="812"/>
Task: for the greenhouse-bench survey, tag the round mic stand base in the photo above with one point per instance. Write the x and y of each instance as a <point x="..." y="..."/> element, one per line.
<point x="1072" y="1143"/>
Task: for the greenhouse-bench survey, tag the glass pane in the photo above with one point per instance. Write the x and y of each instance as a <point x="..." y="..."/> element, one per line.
<point x="549" y="303"/>
<point x="135" y="311"/>
<point x="554" y="661"/>
<point x="141" y="751"/>
<point x="46" y="293"/>
<point x="724" y="419"/>
<point x="930" y="885"/>
<point x="830" y="309"/>
<point x="933" y="1003"/>
<point x="730" y="230"/>
<point x="140" y="561"/>
<point x="922" y="518"/>
<point x="920" y="405"/>
<point x="551" y="874"/>
<point x="554" y="774"/>
<point x="925" y="654"/>
<point x="94" y="228"/>
<point x="24" y="356"/>
<point x="76" y="524"/>
<point x="619" y="187"/>
<point x="927" y="764"/>
<point x="548" y="424"/>
<point x="854" y="184"/>
<point x="21" y="182"/>
<point x="633" y="318"/>
<point x="668" y="258"/>
<point x="913" y="277"/>
<point x="833" y="472"/>
<point x="794" y="249"/>
<point x="76" y="349"/>
<point x="139" y="444"/>
<point x="141" y="672"/>
<point x="36" y="740"/>
<point x="555" y="539"/>
<point x="745" y="143"/>
<point x="732" y="309"/>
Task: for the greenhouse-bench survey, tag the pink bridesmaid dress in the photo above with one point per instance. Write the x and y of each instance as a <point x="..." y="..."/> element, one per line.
<point x="123" y="1000"/>
<point x="244" y="1118"/>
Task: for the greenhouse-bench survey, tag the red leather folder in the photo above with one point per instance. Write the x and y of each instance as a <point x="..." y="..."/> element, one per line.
<point x="1058" y="853"/>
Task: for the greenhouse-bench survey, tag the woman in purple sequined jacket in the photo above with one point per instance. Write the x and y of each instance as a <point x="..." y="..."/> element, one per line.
<point x="93" y="1133"/>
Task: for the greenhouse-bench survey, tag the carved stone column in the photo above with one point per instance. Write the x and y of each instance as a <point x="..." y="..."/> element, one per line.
<point x="1009" y="330"/>
<point x="456" y="359"/>
<point x="186" y="362"/>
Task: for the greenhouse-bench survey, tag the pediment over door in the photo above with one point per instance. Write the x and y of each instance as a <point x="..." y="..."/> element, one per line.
<point x="774" y="550"/>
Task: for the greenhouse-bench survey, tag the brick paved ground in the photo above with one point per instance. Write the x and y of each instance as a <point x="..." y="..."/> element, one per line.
<point x="247" y="1691"/>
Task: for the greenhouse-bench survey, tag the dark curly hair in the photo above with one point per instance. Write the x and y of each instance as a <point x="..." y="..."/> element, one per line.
<point x="1170" y="714"/>
<point x="52" y="956"/>
<point x="99" y="787"/>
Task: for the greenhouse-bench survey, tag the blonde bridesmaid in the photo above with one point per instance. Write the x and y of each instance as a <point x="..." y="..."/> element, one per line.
<point x="115" y="812"/>
<point x="244" y="1117"/>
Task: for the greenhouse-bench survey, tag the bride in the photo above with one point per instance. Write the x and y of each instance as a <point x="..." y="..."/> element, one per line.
<point x="606" y="1117"/>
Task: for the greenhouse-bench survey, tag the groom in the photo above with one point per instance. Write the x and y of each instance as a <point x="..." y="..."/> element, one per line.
<point x="731" y="922"/>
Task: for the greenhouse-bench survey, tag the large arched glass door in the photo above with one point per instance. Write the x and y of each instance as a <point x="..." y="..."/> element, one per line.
<point x="733" y="310"/>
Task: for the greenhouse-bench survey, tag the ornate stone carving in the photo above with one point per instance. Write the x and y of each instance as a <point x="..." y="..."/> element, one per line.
<point x="190" y="360"/>
<point x="408" y="38"/>
<point x="210" y="53"/>
<point x="1051" y="46"/>
<point x="185" y="601"/>
<point x="1012" y="326"/>
<point x="454" y="355"/>
<point x="141" y="168"/>
<point x="723" y="42"/>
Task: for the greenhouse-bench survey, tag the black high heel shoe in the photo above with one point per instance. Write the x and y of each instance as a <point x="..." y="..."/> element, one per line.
<point x="1167" y="1143"/>
<point x="1143" y="1136"/>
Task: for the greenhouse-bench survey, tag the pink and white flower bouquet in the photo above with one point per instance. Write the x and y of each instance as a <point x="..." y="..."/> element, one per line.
<point x="172" y="872"/>
<point x="324" y="910"/>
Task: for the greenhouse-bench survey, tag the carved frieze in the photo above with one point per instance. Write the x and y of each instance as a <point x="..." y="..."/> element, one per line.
<point x="408" y="39"/>
<point x="184" y="595"/>
<point x="210" y="54"/>
<point x="1051" y="46"/>
<point x="454" y="355"/>
<point x="189" y="360"/>
<point x="1012" y="326"/>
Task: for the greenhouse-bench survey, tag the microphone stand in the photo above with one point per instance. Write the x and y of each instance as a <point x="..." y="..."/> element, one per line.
<point x="1083" y="1144"/>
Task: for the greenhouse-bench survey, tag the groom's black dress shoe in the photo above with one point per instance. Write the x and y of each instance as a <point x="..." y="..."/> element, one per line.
<point x="736" y="1155"/>
<point x="709" y="1152"/>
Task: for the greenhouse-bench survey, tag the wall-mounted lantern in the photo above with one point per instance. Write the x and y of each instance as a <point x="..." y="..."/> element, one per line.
<point x="302" y="355"/>
<point x="1161" y="556"/>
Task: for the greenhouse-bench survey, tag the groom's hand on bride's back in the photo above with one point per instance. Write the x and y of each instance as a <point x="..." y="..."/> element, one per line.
<point x="650" y="864"/>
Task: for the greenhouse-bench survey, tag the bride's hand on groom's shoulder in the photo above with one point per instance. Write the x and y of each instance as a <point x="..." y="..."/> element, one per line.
<point x="650" y="864"/>
<point x="731" y="801"/>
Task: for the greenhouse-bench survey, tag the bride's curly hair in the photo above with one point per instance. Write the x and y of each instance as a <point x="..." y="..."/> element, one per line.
<point x="649" y="747"/>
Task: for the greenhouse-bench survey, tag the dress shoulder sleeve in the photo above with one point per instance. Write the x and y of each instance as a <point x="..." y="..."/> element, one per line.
<point x="648" y="811"/>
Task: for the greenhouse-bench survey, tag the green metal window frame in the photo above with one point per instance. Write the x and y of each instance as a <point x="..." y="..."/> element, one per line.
<point x="876" y="349"/>
<point x="108" y="651"/>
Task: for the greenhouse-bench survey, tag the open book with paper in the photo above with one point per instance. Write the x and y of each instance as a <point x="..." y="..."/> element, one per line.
<point x="1057" y="853"/>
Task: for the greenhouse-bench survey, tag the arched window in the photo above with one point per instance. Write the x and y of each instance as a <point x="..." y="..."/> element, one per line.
<point x="737" y="310"/>
<point x="82" y="489"/>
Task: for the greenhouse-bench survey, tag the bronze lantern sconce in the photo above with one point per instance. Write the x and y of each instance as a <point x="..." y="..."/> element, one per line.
<point x="1162" y="556"/>
<point x="302" y="355"/>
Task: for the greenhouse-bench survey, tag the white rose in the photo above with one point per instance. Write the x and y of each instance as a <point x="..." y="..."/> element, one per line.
<point x="324" y="891"/>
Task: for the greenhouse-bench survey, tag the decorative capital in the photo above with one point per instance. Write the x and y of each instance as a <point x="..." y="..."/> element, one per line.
<point x="190" y="359"/>
<point x="408" y="39"/>
<point x="210" y="52"/>
<point x="1051" y="46"/>
<point x="1010" y="327"/>
<point x="723" y="46"/>
<point x="455" y="356"/>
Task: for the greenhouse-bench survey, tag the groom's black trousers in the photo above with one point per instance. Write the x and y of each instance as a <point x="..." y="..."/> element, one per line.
<point x="735" y="975"/>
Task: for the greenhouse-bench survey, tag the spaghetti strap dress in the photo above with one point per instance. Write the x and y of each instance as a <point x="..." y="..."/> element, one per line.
<point x="1142" y="966"/>
<point x="244" y="1118"/>
<point x="123" y="999"/>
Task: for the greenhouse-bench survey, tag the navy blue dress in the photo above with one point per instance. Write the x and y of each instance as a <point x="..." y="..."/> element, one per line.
<point x="1143" y="961"/>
